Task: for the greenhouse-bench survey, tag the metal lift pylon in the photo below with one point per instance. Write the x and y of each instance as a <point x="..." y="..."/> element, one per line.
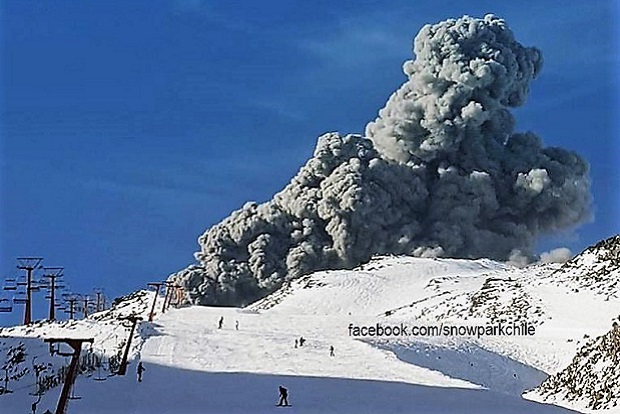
<point x="76" y="344"/>
<point x="122" y="369"/>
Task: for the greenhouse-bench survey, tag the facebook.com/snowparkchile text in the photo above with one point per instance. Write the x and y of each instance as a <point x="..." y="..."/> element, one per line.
<point x="402" y="329"/>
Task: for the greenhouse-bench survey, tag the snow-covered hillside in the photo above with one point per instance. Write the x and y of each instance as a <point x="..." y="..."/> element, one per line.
<point x="592" y="379"/>
<point x="30" y="367"/>
<point x="195" y="367"/>
<point x="596" y="269"/>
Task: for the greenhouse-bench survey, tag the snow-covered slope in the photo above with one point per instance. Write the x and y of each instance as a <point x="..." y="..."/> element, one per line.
<point x="592" y="380"/>
<point x="28" y="367"/>
<point x="596" y="269"/>
<point x="195" y="367"/>
<point x="383" y="284"/>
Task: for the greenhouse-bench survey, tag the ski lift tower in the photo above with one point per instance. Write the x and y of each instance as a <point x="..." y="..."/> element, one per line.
<point x="85" y="305"/>
<point x="76" y="344"/>
<point x="52" y="273"/>
<point x="29" y="264"/>
<point x="122" y="370"/>
<point x="157" y="286"/>
<point x="100" y="303"/>
<point x="170" y="286"/>
<point x="71" y="300"/>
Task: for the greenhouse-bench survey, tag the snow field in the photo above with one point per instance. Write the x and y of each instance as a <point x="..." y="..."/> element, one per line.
<point x="194" y="367"/>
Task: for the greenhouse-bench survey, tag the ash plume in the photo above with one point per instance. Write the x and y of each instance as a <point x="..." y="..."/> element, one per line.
<point x="439" y="173"/>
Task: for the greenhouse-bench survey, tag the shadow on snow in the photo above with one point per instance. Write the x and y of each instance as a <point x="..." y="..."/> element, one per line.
<point x="172" y="390"/>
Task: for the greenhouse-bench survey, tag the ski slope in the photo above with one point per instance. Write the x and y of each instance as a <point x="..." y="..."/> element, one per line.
<point x="194" y="367"/>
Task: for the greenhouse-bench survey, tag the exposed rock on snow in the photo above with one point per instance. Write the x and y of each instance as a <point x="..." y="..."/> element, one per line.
<point x="596" y="269"/>
<point x="592" y="380"/>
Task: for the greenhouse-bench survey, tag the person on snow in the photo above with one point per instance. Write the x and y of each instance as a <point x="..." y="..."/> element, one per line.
<point x="220" y="323"/>
<point x="140" y="370"/>
<point x="283" y="397"/>
<point x="295" y="342"/>
<point x="331" y="351"/>
<point x="237" y="325"/>
<point x="301" y="341"/>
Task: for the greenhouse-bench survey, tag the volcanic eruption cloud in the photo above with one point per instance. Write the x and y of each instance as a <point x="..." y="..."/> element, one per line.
<point x="439" y="173"/>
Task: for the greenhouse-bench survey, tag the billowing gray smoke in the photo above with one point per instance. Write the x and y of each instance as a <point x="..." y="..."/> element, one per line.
<point x="440" y="173"/>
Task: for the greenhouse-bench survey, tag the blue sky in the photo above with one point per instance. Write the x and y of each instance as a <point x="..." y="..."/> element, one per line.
<point x="128" y="128"/>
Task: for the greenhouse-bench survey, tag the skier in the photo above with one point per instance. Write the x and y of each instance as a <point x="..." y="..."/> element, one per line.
<point x="295" y="342"/>
<point x="237" y="325"/>
<point x="140" y="370"/>
<point x="301" y="341"/>
<point x="220" y="323"/>
<point x="331" y="351"/>
<point x="283" y="397"/>
<point x="34" y="404"/>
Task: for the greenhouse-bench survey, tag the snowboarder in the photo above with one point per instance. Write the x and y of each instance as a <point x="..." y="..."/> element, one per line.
<point x="140" y="370"/>
<point x="331" y="351"/>
<point x="283" y="397"/>
<point x="220" y="323"/>
<point x="237" y="325"/>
